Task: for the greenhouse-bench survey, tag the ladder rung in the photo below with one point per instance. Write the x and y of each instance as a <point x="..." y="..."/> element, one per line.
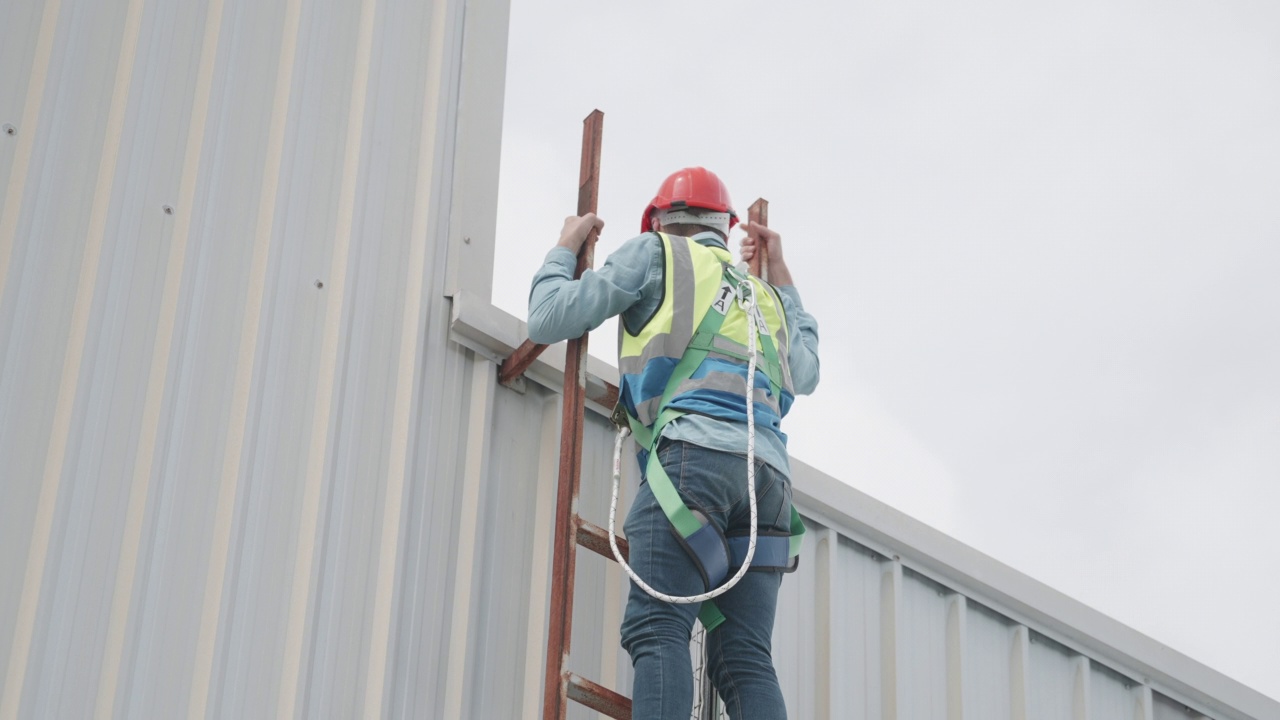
<point x="520" y="360"/>
<point x="597" y="697"/>
<point x="607" y="399"/>
<point x="596" y="539"/>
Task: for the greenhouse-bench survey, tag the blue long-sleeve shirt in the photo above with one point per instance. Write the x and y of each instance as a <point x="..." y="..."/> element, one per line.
<point x="630" y="284"/>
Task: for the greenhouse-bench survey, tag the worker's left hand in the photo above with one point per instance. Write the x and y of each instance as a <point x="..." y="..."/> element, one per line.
<point x="576" y="229"/>
<point x="759" y="235"/>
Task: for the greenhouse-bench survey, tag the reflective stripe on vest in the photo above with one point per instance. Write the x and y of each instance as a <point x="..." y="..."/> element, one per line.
<point x="693" y="275"/>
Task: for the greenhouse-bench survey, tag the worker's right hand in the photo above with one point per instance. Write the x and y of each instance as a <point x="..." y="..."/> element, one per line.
<point x="576" y="229"/>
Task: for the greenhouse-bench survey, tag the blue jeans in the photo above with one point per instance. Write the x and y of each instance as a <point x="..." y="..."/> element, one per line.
<point x="656" y="634"/>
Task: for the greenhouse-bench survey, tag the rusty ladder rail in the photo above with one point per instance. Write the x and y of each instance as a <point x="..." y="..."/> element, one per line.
<point x="570" y="529"/>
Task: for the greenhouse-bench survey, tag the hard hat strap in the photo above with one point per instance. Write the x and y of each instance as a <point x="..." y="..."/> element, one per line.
<point x="716" y="220"/>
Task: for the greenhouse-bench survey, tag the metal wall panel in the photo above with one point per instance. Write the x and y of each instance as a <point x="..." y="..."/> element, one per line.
<point x="794" y="631"/>
<point x="988" y="652"/>
<point x="513" y="504"/>
<point x="1112" y="696"/>
<point x="232" y="429"/>
<point x="855" y="630"/>
<point x="923" y="640"/>
<point x="1055" y="677"/>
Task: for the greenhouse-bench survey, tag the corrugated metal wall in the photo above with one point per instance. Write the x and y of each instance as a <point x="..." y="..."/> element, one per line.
<point x="254" y="461"/>
<point x="230" y="421"/>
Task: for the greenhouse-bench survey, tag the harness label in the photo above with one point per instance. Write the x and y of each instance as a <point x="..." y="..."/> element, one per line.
<point x="729" y="293"/>
<point x="724" y="297"/>
<point x="760" y="322"/>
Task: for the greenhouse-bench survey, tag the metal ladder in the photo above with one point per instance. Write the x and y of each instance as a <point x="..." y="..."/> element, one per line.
<point x="572" y="530"/>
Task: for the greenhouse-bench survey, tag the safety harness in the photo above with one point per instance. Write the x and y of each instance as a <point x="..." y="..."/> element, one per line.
<point x="713" y="553"/>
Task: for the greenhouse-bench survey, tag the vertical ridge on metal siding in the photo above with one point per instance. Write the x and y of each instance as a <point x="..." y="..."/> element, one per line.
<point x="795" y="623"/>
<point x="988" y="677"/>
<point x="354" y="524"/>
<point x="125" y="657"/>
<point x="856" y="653"/>
<point x="957" y="639"/>
<point x="1143" y="703"/>
<point x="504" y="569"/>
<point x="75" y="610"/>
<point x="923" y="644"/>
<point x="430" y="533"/>
<point x="121" y="331"/>
<point x="422" y="138"/>
<point x="1020" y="691"/>
<point x="417" y="678"/>
<point x="893" y="678"/>
<point x="263" y="645"/>
<point x="537" y="617"/>
<point x="1112" y="696"/>
<point x="826" y="569"/>
<point x="46" y="613"/>
<point x="257" y="653"/>
<point x="1082" y="688"/>
<point x="26" y="47"/>
<point x="196" y="428"/>
<point x="229" y="582"/>
<point x="460" y="658"/>
<point x="1053" y="680"/>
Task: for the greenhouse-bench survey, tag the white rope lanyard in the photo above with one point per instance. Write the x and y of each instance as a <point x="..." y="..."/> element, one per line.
<point x="746" y="300"/>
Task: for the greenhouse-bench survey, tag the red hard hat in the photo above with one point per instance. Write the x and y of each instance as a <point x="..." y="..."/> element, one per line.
<point x="694" y="187"/>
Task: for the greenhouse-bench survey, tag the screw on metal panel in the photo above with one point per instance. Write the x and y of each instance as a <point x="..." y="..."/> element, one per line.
<point x="319" y="284"/>
<point x="168" y="209"/>
<point x="10" y="130"/>
<point x="466" y="240"/>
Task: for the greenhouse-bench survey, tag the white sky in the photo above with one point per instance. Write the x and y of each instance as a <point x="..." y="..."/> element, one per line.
<point x="1041" y="241"/>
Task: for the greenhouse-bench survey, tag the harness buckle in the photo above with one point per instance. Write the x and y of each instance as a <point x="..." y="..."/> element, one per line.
<point x="619" y="417"/>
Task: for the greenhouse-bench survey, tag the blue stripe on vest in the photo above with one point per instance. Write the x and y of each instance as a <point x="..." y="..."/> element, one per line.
<point x="649" y="384"/>
<point x="711" y="365"/>
<point x="738" y="403"/>
<point x="727" y="406"/>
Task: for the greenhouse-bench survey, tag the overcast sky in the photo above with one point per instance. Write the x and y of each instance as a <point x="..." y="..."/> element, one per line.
<point x="1041" y="240"/>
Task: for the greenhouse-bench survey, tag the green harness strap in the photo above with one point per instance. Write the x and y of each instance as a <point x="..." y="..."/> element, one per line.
<point x="660" y="483"/>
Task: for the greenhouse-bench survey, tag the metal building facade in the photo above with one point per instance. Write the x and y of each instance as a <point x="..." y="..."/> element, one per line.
<point x="254" y="461"/>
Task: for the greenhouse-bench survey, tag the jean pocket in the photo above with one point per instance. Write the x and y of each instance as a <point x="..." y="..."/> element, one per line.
<point x="670" y="453"/>
<point x="782" y="521"/>
<point x="739" y="505"/>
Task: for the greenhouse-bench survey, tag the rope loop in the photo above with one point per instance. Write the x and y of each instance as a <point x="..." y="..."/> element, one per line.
<point x="746" y="300"/>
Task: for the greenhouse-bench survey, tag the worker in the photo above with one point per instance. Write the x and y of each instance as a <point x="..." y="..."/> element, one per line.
<point x="652" y="281"/>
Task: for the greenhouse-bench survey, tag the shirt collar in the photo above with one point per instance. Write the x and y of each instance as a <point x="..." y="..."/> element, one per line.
<point x="710" y="239"/>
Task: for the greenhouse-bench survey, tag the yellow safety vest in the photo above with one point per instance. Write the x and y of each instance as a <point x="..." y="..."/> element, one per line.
<point x="693" y="281"/>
